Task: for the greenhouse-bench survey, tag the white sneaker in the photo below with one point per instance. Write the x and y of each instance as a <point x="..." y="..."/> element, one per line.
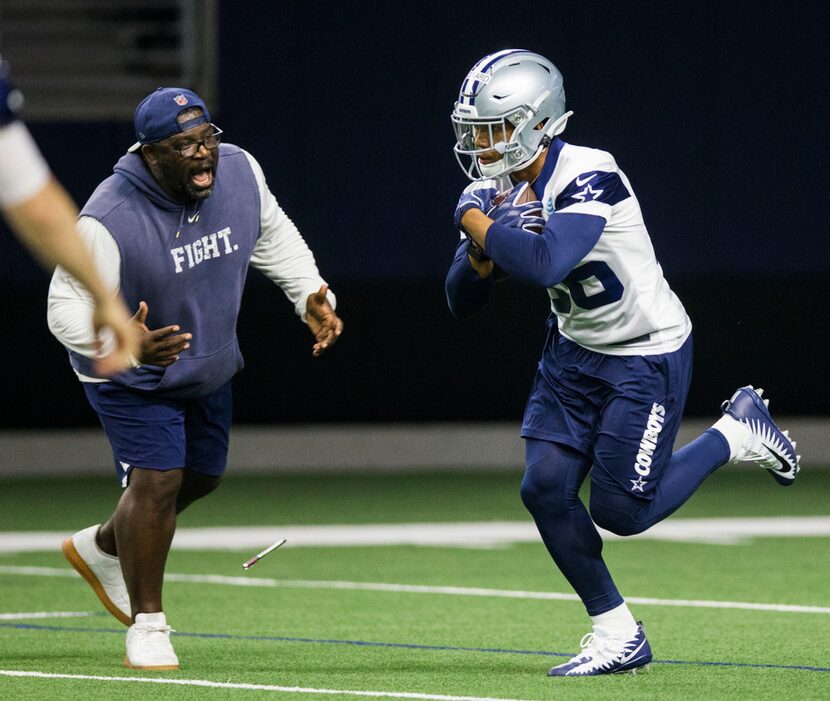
<point x="148" y="644"/>
<point x="101" y="571"/>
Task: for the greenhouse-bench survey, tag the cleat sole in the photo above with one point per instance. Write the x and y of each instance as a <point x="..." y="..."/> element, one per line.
<point x="636" y="670"/>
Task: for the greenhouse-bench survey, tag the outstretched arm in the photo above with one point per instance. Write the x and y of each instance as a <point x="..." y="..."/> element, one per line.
<point x="283" y="256"/>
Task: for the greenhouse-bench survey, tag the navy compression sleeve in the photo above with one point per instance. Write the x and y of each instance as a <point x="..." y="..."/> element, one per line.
<point x="466" y="291"/>
<point x="544" y="259"/>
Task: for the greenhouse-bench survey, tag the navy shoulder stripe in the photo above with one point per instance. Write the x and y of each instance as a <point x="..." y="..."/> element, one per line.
<point x="593" y="186"/>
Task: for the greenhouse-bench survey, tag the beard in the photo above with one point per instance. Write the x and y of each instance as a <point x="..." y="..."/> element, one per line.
<point x="197" y="193"/>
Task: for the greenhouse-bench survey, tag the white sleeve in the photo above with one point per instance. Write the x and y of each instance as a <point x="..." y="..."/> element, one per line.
<point x="23" y="170"/>
<point x="70" y="305"/>
<point x="589" y="183"/>
<point x="281" y="252"/>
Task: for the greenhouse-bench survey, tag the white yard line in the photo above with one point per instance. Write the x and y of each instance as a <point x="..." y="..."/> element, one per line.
<point x="29" y="615"/>
<point x="248" y="581"/>
<point x="251" y="687"/>
<point x="487" y="534"/>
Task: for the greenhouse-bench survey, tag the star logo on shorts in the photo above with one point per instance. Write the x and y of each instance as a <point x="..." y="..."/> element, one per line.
<point x="637" y="484"/>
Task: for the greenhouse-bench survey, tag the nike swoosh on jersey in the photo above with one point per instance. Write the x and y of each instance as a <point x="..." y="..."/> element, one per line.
<point x="580" y="182"/>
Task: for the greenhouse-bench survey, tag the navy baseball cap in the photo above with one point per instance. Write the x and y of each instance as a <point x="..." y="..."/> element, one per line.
<point x="156" y="116"/>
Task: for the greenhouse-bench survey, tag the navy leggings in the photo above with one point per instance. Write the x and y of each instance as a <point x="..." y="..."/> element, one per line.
<point x="550" y="491"/>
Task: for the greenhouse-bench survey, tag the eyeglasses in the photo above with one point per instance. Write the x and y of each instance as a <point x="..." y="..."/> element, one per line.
<point x="191" y="148"/>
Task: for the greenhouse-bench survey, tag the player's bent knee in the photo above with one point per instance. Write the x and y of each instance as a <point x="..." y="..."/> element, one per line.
<point x="541" y="490"/>
<point x="529" y="494"/>
<point x="616" y="523"/>
<point x="618" y="513"/>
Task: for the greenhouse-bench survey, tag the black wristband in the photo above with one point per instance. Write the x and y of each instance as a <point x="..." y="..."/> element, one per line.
<point x="476" y="252"/>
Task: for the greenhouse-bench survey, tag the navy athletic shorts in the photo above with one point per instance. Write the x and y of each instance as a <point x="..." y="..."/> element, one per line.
<point x="163" y="433"/>
<point x="622" y="411"/>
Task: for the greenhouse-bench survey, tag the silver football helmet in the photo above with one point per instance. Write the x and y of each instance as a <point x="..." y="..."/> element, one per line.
<point x="512" y="103"/>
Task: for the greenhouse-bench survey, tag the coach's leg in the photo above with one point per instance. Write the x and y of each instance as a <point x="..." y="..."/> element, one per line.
<point x="207" y="432"/>
<point x="105" y="538"/>
<point x="195" y="485"/>
<point x="144" y="522"/>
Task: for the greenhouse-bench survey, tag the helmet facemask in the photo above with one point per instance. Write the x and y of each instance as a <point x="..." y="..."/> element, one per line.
<point x="523" y="144"/>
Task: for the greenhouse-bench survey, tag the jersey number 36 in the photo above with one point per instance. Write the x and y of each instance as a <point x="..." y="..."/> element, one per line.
<point x="612" y="288"/>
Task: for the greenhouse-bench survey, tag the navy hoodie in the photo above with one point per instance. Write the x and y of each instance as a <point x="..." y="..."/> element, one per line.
<point x="187" y="261"/>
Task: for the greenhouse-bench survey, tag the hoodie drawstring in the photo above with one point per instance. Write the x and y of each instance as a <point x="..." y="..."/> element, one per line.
<point x="191" y="219"/>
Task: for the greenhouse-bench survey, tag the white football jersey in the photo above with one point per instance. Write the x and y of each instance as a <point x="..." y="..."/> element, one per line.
<point x="615" y="300"/>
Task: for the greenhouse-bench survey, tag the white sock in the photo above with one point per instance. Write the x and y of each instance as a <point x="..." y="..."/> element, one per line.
<point x="153" y="618"/>
<point x="616" y="623"/>
<point x="735" y="433"/>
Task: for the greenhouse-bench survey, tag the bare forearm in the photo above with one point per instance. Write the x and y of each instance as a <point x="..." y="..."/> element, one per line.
<point x="475" y="223"/>
<point x="46" y="225"/>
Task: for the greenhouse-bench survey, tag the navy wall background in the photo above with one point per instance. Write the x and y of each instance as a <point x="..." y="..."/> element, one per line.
<point x="716" y="111"/>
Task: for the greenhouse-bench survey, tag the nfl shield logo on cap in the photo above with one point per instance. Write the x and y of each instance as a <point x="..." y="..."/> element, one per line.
<point x="180" y="100"/>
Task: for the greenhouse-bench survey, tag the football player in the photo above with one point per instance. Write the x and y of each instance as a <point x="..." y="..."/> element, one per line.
<point x="612" y="381"/>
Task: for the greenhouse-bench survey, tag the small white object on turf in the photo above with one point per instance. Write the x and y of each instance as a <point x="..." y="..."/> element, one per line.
<point x="148" y="644"/>
<point x="256" y="558"/>
<point x="101" y="571"/>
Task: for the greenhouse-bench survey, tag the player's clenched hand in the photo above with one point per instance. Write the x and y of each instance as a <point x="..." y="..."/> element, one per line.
<point x="323" y="322"/>
<point x="160" y="346"/>
<point x="477" y="195"/>
<point x="518" y="208"/>
<point x="527" y="216"/>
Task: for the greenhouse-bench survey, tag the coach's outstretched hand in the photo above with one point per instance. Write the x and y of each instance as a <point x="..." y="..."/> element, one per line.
<point x="323" y="322"/>
<point x="161" y="346"/>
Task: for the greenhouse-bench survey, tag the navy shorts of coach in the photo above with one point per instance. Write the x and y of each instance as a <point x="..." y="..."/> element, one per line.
<point x="623" y="411"/>
<point x="163" y="433"/>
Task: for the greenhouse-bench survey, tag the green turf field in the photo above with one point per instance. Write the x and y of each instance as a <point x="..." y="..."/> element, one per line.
<point x="464" y="631"/>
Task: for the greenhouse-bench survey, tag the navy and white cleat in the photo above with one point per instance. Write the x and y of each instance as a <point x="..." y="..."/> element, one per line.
<point x="768" y="446"/>
<point x="603" y="655"/>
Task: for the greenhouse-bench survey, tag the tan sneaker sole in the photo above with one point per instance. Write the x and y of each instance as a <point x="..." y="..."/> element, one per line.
<point x="71" y="554"/>
<point x="150" y="667"/>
